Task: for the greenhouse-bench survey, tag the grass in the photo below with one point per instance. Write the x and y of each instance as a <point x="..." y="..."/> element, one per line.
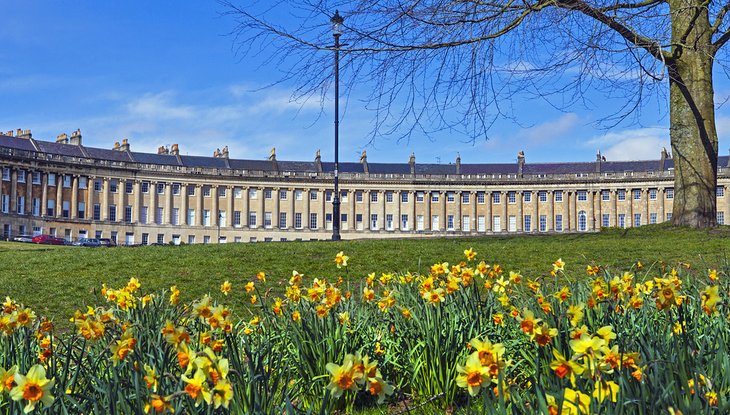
<point x="55" y="281"/>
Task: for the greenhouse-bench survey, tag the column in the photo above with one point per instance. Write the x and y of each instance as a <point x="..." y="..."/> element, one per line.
<point x="645" y="214"/>
<point x="384" y="209"/>
<point x="599" y="209"/>
<point x="74" y="196"/>
<point x="488" y="214"/>
<point x="214" y="219"/>
<point x="660" y="209"/>
<point x="14" y="191"/>
<point x="260" y="210"/>
<point x="305" y="214"/>
<point x="244" y="210"/>
<point x="442" y="219"/>
<point x="550" y="222"/>
<point x="167" y="217"/>
<point x="59" y="195"/>
<point x="275" y="211"/>
<point x="137" y="201"/>
<point x="727" y="205"/>
<point x="457" y="216"/>
<point x="473" y="221"/>
<point x="152" y="211"/>
<point x="89" y="198"/>
<point x="199" y="205"/>
<point x="520" y="215"/>
<point x="536" y="211"/>
<point x="427" y="214"/>
<point x="630" y="218"/>
<point x="505" y="219"/>
<point x="105" y="199"/>
<point x="412" y="198"/>
<point x="293" y="207"/>
<point x="44" y="194"/>
<point x="614" y="207"/>
<point x="229" y="205"/>
<point x="590" y="219"/>
<point x="28" y="193"/>
<point x="398" y="200"/>
<point x="121" y="199"/>
<point x="566" y="211"/>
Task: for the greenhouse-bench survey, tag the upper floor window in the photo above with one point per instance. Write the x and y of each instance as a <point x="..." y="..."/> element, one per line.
<point x="637" y="194"/>
<point x="719" y="191"/>
<point x="542" y="195"/>
<point x="6" y="174"/>
<point x="621" y="194"/>
<point x="222" y="191"/>
<point x="191" y="190"/>
<point x="267" y="194"/>
<point x="389" y="197"/>
<point x="481" y="198"/>
<point x="434" y="196"/>
<point x="160" y="188"/>
<point x="605" y="195"/>
<point x="496" y="197"/>
<point x="465" y="196"/>
<point x="176" y="188"/>
<point x="113" y="184"/>
<point x="67" y="181"/>
<point x="358" y="196"/>
<point x="21" y="176"/>
<point x="512" y="197"/>
<point x="582" y="195"/>
<point x="313" y="195"/>
<point x="404" y="197"/>
<point x="373" y="196"/>
<point x="37" y="177"/>
<point x="670" y="194"/>
<point x="652" y="194"/>
<point x="51" y="178"/>
<point x="419" y="196"/>
<point x="145" y="187"/>
<point x="450" y="197"/>
<point x="558" y="197"/>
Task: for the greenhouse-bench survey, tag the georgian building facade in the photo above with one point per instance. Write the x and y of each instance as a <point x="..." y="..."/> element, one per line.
<point x="69" y="190"/>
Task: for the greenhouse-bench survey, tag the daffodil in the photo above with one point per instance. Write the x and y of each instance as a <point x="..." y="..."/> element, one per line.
<point x="33" y="388"/>
<point x="470" y="254"/>
<point x="472" y="376"/>
<point x="343" y="377"/>
<point x="197" y="387"/>
<point x="150" y="378"/>
<point x="606" y="390"/>
<point x="563" y="367"/>
<point x="222" y="394"/>
<point x="341" y="259"/>
<point x="575" y="402"/>
<point x="226" y="287"/>
<point x="380" y="388"/>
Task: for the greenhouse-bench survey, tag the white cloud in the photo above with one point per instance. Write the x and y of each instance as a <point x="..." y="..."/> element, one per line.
<point x="635" y="144"/>
<point x="159" y="106"/>
<point x="552" y="129"/>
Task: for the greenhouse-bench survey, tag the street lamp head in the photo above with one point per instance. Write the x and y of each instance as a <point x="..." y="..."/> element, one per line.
<point x="336" y="21"/>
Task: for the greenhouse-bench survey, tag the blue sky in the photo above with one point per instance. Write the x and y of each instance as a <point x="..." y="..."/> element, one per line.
<point x="163" y="72"/>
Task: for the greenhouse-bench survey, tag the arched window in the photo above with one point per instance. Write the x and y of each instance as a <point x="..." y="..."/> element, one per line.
<point x="582" y="219"/>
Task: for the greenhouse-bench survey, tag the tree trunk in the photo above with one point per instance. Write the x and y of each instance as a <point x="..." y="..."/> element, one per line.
<point x="692" y="116"/>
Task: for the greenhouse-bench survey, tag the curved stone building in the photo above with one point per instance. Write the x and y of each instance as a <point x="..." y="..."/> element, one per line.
<point x="66" y="189"/>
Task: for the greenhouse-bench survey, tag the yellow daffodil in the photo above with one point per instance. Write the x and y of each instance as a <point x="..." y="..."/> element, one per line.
<point x="472" y="376"/>
<point x="197" y="387"/>
<point x="575" y="402"/>
<point x="559" y="265"/>
<point x="343" y="377"/>
<point x="470" y="254"/>
<point x="150" y="378"/>
<point x="222" y="393"/>
<point x="159" y="404"/>
<point x="32" y="388"/>
<point x="563" y="367"/>
<point x="606" y="390"/>
<point x="380" y="388"/>
<point x="341" y="259"/>
<point x="226" y="287"/>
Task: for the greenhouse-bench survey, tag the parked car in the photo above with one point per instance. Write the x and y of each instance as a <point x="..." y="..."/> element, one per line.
<point x="89" y="242"/>
<point x="23" y="238"/>
<point x="48" y="240"/>
<point x="107" y="242"/>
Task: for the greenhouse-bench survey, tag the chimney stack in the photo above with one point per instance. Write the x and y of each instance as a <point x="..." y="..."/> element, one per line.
<point x="163" y="150"/>
<point x="116" y="146"/>
<point x="599" y="159"/>
<point x="318" y="162"/>
<point x="76" y="137"/>
<point x="458" y="163"/>
<point x="412" y="163"/>
<point x="125" y="145"/>
<point x="664" y="157"/>
<point x="24" y="134"/>
<point x="224" y="153"/>
<point x="520" y="163"/>
<point x="174" y="150"/>
<point x="62" y="138"/>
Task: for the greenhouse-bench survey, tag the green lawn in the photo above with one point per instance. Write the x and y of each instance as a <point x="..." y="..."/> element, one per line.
<point x="55" y="281"/>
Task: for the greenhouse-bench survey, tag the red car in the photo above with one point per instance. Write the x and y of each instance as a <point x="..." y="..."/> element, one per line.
<point x="48" y="240"/>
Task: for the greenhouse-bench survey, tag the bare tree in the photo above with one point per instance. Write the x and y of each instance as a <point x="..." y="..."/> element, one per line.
<point x="454" y="64"/>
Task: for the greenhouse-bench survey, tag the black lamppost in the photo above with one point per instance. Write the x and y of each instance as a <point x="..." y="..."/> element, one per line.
<point x="336" y="32"/>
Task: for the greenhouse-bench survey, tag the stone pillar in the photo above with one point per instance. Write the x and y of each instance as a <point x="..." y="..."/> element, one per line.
<point x="305" y="214"/>
<point x="260" y="210"/>
<point x="566" y="211"/>
<point x="152" y="210"/>
<point x="229" y="205"/>
<point x="473" y="222"/>
<point x="275" y="211"/>
<point x="199" y="205"/>
<point x="505" y="217"/>
<point x="214" y="219"/>
<point x="89" y="198"/>
<point x="59" y="195"/>
<point x="660" y="207"/>
<point x="590" y="197"/>
<point x="398" y="200"/>
<point x="488" y="214"/>
<point x="167" y="214"/>
<point x="727" y="205"/>
<point x="442" y="219"/>
<point x="105" y="199"/>
<point x="412" y="198"/>
<point x="645" y="213"/>
<point x="28" y="193"/>
<point x="384" y="208"/>
<point x="121" y="199"/>
<point x="292" y="211"/>
<point x="457" y="216"/>
<point x="184" y="205"/>
<point x="14" y="191"/>
<point x="137" y="201"/>
<point x="550" y="222"/>
<point x="74" y="197"/>
<point x="614" y="207"/>
<point x="599" y="209"/>
<point x="536" y="211"/>
<point x="520" y="214"/>
<point x="630" y="219"/>
<point x="245" y="209"/>
<point x="44" y="194"/>
<point x="427" y="215"/>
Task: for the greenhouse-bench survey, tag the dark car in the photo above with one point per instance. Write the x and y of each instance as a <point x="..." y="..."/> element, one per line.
<point x="48" y="240"/>
<point x="107" y="242"/>
<point x="23" y="238"/>
<point x="89" y="242"/>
